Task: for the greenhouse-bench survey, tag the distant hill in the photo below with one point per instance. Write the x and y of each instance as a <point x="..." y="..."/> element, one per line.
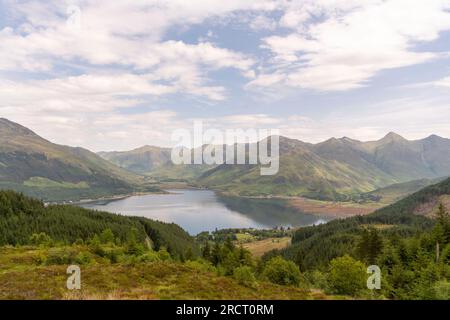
<point x="336" y="169"/>
<point x="141" y="160"/>
<point x="397" y="191"/>
<point x="31" y="164"/>
<point x="154" y="162"/>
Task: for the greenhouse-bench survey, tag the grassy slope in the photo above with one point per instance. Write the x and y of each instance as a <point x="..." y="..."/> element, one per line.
<point x="24" y="276"/>
<point x="395" y="192"/>
<point x="260" y="247"/>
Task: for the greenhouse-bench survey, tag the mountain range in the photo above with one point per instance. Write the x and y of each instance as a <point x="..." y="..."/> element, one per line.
<point x="336" y="169"/>
<point x="35" y="166"/>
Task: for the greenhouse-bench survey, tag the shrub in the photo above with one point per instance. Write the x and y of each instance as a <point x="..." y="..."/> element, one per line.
<point x="83" y="258"/>
<point x="150" y="256"/>
<point x="107" y="236"/>
<point x="113" y="254"/>
<point x="317" y="279"/>
<point x="163" y="254"/>
<point x="245" y="276"/>
<point x="79" y="242"/>
<point x="61" y="256"/>
<point x="201" y="265"/>
<point x="281" y="271"/>
<point x="442" y="290"/>
<point x="39" y="239"/>
<point x="347" y="275"/>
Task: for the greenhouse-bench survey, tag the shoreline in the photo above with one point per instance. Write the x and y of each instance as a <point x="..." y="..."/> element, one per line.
<point x="107" y="198"/>
<point x="320" y="208"/>
<point x="133" y="194"/>
<point x="329" y="209"/>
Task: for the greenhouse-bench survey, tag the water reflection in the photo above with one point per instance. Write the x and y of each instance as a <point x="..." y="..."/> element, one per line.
<point x="203" y="210"/>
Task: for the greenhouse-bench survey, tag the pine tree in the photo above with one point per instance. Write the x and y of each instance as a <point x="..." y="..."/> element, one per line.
<point x="442" y="215"/>
<point x="206" y="251"/>
<point x="375" y="245"/>
<point x="229" y="245"/>
<point x="216" y="255"/>
<point x="370" y="245"/>
<point x="107" y="236"/>
<point x="443" y="219"/>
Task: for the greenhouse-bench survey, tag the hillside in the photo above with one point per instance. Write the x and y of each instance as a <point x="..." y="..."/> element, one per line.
<point x="156" y="163"/>
<point x="34" y="273"/>
<point x="37" y="167"/>
<point x="20" y="217"/>
<point x="141" y="160"/>
<point x="397" y="191"/>
<point x="302" y="172"/>
<point x="337" y="169"/>
<point x="318" y="245"/>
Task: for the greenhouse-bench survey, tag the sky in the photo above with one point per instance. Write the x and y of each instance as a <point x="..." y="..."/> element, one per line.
<point x="116" y="75"/>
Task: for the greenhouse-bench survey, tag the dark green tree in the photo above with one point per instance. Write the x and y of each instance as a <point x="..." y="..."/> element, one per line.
<point x="206" y="251"/>
<point x="370" y="245"/>
<point x="281" y="271"/>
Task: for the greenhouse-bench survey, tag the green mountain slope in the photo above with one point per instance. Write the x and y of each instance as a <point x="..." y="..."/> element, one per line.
<point x="141" y="160"/>
<point x="31" y="164"/>
<point x="337" y="169"/>
<point x="302" y="172"/>
<point x="409" y="160"/>
<point x="21" y="216"/>
<point x="397" y="191"/>
<point x="154" y="162"/>
<point x="313" y="247"/>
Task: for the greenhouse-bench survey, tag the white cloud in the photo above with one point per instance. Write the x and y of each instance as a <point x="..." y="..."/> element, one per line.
<point x="340" y="45"/>
<point x="122" y="34"/>
<point x="444" y="82"/>
<point x="82" y="93"/>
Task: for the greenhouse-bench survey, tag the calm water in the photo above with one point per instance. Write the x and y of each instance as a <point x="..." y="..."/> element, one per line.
<point x="202" y="210"/>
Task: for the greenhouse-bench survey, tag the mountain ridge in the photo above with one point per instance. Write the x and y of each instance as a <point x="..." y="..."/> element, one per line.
<point x="335" y="169"/>
<point x="37" y="167"/>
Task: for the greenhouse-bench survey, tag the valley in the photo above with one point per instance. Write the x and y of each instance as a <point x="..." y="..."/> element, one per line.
<point x="338" y="178"/>
<point x="225" y="150"/>
<point x="143" y="228"/>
